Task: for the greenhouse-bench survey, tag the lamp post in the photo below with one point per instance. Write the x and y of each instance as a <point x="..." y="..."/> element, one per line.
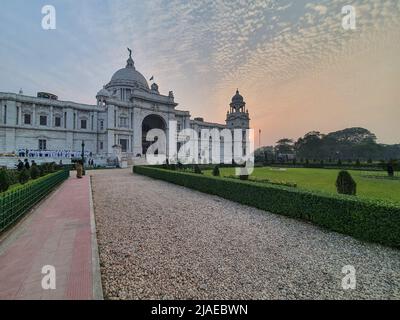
<point x="83" y="158"/>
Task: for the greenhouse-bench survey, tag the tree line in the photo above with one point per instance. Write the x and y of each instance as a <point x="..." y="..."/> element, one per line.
<point x="348" y="145"/>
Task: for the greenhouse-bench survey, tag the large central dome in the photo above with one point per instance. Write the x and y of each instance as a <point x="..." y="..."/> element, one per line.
<point x="128" y="77"/>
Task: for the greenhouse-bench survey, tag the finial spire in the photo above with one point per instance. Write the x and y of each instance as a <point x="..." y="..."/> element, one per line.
<point x="129" y="62"/>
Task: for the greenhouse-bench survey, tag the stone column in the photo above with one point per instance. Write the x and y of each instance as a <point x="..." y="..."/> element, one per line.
<point x="51" y="117"/>
<point x="137" y="132"/>
<point x="34" y="115"/>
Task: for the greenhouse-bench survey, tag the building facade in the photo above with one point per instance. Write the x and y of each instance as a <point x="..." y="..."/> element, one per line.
<point x="126" y="109"/>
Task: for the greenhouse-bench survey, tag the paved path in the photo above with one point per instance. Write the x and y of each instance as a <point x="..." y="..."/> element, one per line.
<point x="159" y="241"/>
<point x="57" y="233"/>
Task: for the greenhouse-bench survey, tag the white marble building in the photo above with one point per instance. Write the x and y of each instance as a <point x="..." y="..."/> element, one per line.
<point x="126" y="109"/>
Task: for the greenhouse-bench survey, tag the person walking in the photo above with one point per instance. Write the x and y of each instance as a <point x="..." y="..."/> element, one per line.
<point x="79" y="169"/>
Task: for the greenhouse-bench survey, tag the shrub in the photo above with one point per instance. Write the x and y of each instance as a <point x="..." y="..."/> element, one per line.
<point x="216" y="172"/>
<point x="23" y="176"/>
<point x="390" y="170"/>
<point x="339" y="163"/>
<point x="377" y="221"/>
<point x="244" y="177"/>
<point x="345" y="184"/>
<point x="35" y="172"/>
<point x="12" y="176"/>
<point x="358" y="163"/>
<point x="47" y="167"/>
<point x="4" y="180"/>
<point x="197" y="169"/>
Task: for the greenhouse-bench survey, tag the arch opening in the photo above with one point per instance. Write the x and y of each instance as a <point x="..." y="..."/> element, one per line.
<point x="150" y="122"/>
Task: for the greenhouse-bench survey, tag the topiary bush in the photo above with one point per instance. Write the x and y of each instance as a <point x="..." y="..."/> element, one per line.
<point x="216" y="172"/>
<point x="345" y="184"/>
<point x="23" y="176"/>
<point x="197" y="169"/>
<point x="390" y="170"/>
<point x="4" y="180"/>
<point x="35" y="172"/>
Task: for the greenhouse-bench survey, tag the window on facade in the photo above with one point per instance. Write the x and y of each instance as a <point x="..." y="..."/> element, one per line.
<point x="57" y="121"/>
<point x="101" y="124"/>
<point x="91" y="123"/>
<point x="101" y="145"/>
<point x="17" y="116"/>
<point x="43" y="120"/>
<point x="74" y="120"/>
<point x="27" y="118"/>
<point x="178" y="127"/>
<point x="123" y="122"/>
<point x="42" y="144"/>
<point x="124" y="144"/>
<point x="83" y="124"/>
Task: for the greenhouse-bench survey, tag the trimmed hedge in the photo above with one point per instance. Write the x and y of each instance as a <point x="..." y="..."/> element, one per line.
<point x="375" y="221"/>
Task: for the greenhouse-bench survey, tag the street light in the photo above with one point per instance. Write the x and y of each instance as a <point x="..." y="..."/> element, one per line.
<point x="83" y="158"/>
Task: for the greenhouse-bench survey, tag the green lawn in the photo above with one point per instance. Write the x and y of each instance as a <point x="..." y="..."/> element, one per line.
<point x="324" y="180"/>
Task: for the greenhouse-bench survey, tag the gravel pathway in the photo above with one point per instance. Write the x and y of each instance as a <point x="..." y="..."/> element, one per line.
<point x="162" y="241"/>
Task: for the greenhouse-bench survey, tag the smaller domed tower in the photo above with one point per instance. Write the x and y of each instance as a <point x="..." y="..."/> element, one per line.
<point x="238" y="117"/>
<point x="102" y="96"/>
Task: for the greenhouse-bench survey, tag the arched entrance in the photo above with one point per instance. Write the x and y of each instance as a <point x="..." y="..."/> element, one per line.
<point x="150" y="122"/>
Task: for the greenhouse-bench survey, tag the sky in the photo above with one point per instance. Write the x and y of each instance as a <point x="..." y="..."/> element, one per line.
<point x="298" y="69"/>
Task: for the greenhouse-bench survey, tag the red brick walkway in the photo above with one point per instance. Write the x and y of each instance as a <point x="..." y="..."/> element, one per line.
<point x="57" y="233"/>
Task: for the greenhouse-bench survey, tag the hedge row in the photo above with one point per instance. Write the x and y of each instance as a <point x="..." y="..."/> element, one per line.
<point x="375" y="221"/>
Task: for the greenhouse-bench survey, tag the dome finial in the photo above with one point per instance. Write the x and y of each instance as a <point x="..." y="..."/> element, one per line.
<point x="130" y="63"/>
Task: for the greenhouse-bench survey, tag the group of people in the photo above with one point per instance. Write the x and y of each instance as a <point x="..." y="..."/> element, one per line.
<point x="52" y="154"/>
<point x="91" y="162"/>
<point x="21" y="165"/>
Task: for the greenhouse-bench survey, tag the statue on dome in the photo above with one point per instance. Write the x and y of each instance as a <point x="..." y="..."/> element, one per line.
<point x="130" y="52"/>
